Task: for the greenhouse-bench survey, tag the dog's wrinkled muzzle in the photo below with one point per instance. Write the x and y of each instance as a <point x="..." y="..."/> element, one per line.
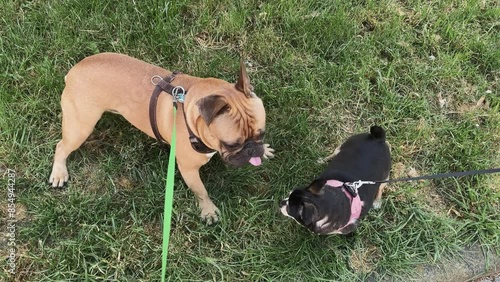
<point x="251" y="153"/>
<point x="255" y="151"/>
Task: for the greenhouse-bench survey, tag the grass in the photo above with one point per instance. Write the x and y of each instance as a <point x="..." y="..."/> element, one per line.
<point x="324" y="69"/>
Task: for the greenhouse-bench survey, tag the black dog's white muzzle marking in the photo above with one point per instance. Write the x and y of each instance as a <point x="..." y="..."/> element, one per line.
<point x="283" y="208"/>
<point x="284" y="211"/>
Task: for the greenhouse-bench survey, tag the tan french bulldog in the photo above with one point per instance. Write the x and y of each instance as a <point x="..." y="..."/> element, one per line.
<point x="228" y="118"/>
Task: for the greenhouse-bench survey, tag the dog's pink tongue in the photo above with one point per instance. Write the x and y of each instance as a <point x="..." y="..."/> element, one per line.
<point x="256" y="161"/>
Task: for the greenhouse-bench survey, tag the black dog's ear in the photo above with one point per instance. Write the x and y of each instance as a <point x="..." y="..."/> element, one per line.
<point x="309" y="214"/>
<point x="212" y="106"/>
<point x="316" y="187"/>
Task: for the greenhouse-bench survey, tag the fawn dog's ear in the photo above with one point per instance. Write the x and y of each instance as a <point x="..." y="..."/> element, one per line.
<point x="243" y="83"/>
<point x="212" y="106"/>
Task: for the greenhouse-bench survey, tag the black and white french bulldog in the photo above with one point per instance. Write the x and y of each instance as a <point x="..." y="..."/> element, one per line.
<point x="326" y="206"/>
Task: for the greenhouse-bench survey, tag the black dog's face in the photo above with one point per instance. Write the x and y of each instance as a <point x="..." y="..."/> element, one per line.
<point x="311" y="207"/>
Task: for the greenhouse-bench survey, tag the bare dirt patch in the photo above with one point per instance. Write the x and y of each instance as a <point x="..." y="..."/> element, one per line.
<point x="365" y="259"/>
<point x="432" y="201"/>
<point x="426" y="192"/>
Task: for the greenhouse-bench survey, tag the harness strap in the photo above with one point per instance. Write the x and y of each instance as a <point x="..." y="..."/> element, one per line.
<point x="163" y="85"/>
<point x="355" y="200"/>
<point x="196" y="142"/>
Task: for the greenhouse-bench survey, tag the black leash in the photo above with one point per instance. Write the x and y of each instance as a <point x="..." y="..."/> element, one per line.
<point x="352" y="187"/>
<point x="443" y="175"/>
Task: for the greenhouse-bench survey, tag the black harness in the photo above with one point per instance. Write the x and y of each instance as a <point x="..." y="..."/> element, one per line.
<point x="178" y="93"/>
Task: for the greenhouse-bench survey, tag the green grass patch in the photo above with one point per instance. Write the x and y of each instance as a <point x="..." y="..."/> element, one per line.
<point x="325" y="70"/>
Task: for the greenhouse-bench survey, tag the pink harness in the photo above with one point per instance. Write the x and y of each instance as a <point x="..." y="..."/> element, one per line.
<point x="356" y="204"/>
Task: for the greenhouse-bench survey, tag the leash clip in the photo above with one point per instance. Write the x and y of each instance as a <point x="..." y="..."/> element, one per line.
<point x="179" y="94"/>
<point x="352" y="187"/>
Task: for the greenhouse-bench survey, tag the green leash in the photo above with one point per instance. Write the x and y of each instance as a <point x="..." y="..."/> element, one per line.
<point x="169" y="198"/>
<point x="178" y="95"/>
